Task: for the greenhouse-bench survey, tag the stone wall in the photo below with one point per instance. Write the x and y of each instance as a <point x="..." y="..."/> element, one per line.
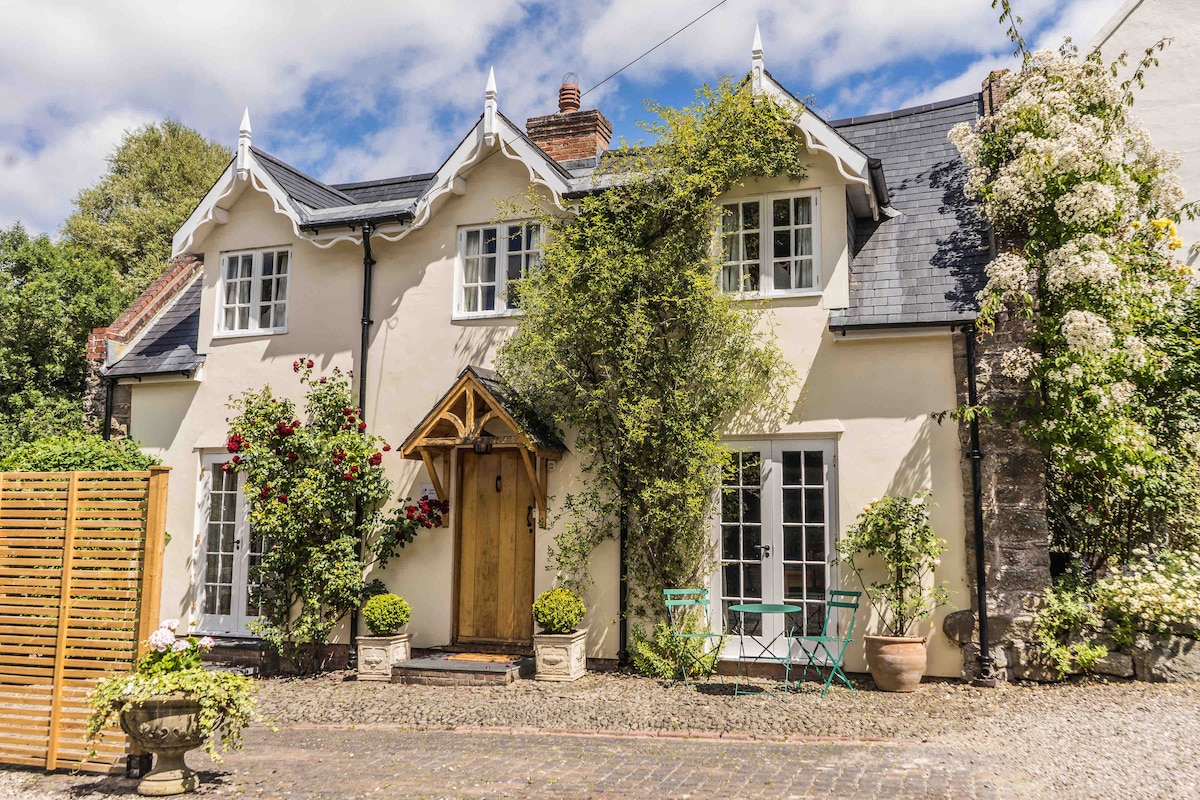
<point x="1013" y="492"/>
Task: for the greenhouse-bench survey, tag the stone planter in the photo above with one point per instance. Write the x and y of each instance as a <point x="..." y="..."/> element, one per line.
<point x="560" y="656"/>
<point x="167" y="726"/>
<point x="897" y="663"/>
<point x="377" y="654"/>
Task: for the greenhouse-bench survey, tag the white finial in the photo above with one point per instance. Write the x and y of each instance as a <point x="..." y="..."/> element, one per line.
<point x="757" y="67"/>
<point x="243" y="149"/>
<point x="490" y="109"/>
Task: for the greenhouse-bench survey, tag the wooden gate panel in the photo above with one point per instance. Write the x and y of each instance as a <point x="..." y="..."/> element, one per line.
<point x="80" y="580"/>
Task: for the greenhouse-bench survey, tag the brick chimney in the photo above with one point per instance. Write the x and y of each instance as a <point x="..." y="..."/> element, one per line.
<point x="993" y="92"/>
<point x="571" y="133"/>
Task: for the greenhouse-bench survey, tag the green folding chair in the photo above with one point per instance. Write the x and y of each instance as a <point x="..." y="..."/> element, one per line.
<point x="829" y="649"/>
<point x="682" y="606"/>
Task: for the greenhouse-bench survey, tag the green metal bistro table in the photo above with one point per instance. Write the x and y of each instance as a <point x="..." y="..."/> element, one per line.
<point x="765" y="647"/>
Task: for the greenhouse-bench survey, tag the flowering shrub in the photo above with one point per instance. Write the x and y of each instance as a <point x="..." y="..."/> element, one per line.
<point x="1068" y="611"/>
<point x="896" y="530"/>
<point x="1086" y="205"/>
<point x="172" y="664"/>
<point x="315" y="489"/>
<point x="1158" y="592"/>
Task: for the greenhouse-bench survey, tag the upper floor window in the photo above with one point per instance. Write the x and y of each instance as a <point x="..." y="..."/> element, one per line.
<point x="770" y="244"/>
<point x="492" y="261"/>
<point x="254" y="290"/>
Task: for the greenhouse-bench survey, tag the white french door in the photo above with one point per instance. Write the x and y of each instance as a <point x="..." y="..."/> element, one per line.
<point x="775" y="535"/>
<point x="229" y="553"/>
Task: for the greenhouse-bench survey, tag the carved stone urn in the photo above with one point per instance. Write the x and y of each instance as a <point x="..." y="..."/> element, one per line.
<point x="560" y="656"/>
<point x="377" y="655"/>
<point x="167" y="726"/>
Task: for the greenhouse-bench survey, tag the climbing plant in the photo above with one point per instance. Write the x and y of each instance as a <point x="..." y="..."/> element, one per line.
<point x="1086" y="207"/>
<point x="316" y="489"/>
<point x="627" y="341"/>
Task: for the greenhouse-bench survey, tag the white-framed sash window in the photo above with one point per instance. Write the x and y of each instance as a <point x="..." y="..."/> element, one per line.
<point x="770" y="244"/>
<point x="228" y="553"/>
<point x="775" y="532"/>
<point x="492" y="259"/>
<point x="253" y="292"/>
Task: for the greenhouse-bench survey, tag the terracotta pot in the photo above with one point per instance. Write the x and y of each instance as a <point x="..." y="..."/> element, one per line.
<point x="167" y="726"/>
<point x="896" y="662"/>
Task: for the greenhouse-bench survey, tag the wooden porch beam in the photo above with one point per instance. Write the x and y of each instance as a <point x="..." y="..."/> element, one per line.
<point x="538" y="494"/>
<point x="433" y="475"/>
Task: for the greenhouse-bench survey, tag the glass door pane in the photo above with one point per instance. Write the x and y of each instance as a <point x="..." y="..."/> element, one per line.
<point x="741" y="538"/>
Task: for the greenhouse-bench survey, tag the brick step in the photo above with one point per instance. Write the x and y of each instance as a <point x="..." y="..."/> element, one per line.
<point x="459" y="669"/>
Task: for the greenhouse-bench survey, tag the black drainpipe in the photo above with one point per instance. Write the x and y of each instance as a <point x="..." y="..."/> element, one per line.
<point x="110" y="390"/>
<point x="368" y="272"/>
<point x="976" y="456"/>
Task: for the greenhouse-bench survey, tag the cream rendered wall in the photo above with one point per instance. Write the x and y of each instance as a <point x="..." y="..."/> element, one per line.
<point x="1169" y="106"/>
<point x="873" y="396"/>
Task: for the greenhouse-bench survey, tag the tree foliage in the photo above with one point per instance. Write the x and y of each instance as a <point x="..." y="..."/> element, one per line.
<point x="1088" y="204"/>
<point x="627" y="341"/>
<point x="155" y="178"/>
<point x="51" y="297"/>
<point x="85" y="452"/>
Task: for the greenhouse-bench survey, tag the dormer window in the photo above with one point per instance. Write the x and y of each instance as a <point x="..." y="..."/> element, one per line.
<point x="492" y="260"/>
<point x="254" y="292"/>
<point x="770" y="244"/>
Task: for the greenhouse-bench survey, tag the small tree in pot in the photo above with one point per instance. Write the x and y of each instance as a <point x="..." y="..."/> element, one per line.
<point x="385" y="614"/>
<point x="559" y="648"/>
<point x="896" y="532"/>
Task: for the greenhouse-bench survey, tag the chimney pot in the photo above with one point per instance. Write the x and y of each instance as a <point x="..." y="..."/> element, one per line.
<point x="570" y="134"/>
<point x="568" y="98"/>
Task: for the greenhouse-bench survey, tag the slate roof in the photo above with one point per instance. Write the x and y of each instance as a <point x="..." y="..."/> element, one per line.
<point x="169" y="344"/>
<point x="925" y="266"/>
<point x="404" y="187"/>
<point x="300" y="187"/>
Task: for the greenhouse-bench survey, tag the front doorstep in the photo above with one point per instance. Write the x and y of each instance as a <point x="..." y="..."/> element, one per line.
<point x="377" y="655"/>
<point x="561" y="656"/>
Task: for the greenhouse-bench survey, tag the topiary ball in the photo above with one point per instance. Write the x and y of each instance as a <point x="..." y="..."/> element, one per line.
<point x="558" y="610"/>
<point x="386" y="613"/>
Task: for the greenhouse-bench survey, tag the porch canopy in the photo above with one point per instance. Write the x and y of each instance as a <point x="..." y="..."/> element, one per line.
<point x="478" y="413"/>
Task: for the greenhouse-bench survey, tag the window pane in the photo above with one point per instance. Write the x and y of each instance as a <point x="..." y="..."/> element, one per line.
<point x="281" y="289"/>
<point x="264" y="317"/>
<point x="804" y="211"/>
<point x="281" y="265"/>
<point x="489" y="269"/>
<point x="471" y="298"/>
<point x="224" y="599"/>
<point x="247" y="266"/>
<point x="793" y="543"/>
<point x="514" y="267"/>
<point x="489" y="240"/>
<point x="267" y="286"/>
<point x="471" y="270"/>
<point x="231" y="270"/>
<point x="229" y="319"/>
<point x="268" y="265"/>
<point x="750" y="245"/>
<point x="489" y="298"/>
<point x="783" y="275"/>
<point x="752" y="581"/>
<point x="280" y="315"/>
<point x="749" y="216"/>
<point x="815" y="582"/>
<point x="730" y="541"/>
<point x="814" y="505"/>
<point x="731" y="506"/>
<point x="230" y="293"/>
<point x="733" y="580"/>
<point x="780" y="214"/>
<point x="472" y="243"/>
<point x="243" y="292"/>
<point x="791" y="468"/>
<point x="751" y="506"/>
<point x="730" y="278"/>
<point x="783" y="244"/>
<point x="751" y="468"/>
<point x="750" y="278"/>
<point x="804" y="241"/>
<point x="792" y="506"/>
<point x="243" y="321"/>
<point x="814" y="543"/>
<point x="729" y="218"/>
<point x="514" y="237"/>
<point x="751" y="539"/>
<point x="814" y="468"/>
<point x="793" y="582"/>
<point x="805" y="274"/>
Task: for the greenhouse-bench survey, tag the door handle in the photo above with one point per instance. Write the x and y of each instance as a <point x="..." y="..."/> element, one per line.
<point x="497" y="483"/>
<point x="764" y="550"/>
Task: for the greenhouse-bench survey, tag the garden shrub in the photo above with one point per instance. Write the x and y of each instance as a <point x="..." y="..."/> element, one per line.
<point x="1157" y="593"/>
<point x="87" y="452"/>
<point x="1068" y="611"/>
<point x="558" y="610"/>
<point x="386" y="614"/>
<point x="657" y="655"/>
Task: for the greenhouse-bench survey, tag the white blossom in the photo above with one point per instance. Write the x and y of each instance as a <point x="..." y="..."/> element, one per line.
<point x="1019" y="363"/>
<point x="162" y="639"/>
<point x="1081" y="262"/>
<point x="1086" y="332"/>
<point x="1088" y="204"/>
<point x="1008" y="272"/>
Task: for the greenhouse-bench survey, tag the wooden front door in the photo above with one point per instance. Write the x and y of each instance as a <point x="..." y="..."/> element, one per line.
<point x="495" y="571"/>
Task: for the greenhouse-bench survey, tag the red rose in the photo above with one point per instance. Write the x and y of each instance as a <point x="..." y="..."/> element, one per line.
<point x="283" y="498"/>
<point x="310" y="363"/>
<point x="387" y="447"/>
<point x="354" y="468"/>
<point x="236" y="459"/>
<point x="295" y="366"/>
<point x="226" y="467"/>
<point x="362" y="427"/>
<point x="347" y="410"/>
<point x="234" y="443"/>
<point x="292" y="456"/>
<point x="410" y="512"/>
<point x="266" y="491"/>
<point x="348" y="476"/>
<point x="350" y="417"/>
<point x="323" y="380"/>
<point x="375" y="460"/>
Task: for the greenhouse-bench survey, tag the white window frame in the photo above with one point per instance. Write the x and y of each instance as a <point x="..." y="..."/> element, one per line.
<point x="530" y="255"/>
<point x="255" y="301"/>
<point x="766" y="233"/>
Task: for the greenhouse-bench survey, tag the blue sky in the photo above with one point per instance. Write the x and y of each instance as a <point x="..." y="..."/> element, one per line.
<point x="364" y="90"/>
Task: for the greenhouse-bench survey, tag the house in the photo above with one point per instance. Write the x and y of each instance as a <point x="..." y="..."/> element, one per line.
<point x="880" y="257"/>
<point x="1168" y="104"/>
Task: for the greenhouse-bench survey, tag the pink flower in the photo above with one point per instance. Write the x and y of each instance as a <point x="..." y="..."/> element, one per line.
<point x="206" y="643"/>
<point x="180" y="645"/>
<point x="170" y="624"/>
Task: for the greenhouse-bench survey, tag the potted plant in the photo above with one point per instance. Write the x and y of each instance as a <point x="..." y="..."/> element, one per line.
<point x="169" y="704"/>
<point x="385" y="614"/>
<point x="895" y="533"/>
<point x="559" y="649"/>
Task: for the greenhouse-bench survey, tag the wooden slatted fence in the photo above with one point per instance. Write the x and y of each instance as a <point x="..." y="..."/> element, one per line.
<point x="80" y="583"/>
